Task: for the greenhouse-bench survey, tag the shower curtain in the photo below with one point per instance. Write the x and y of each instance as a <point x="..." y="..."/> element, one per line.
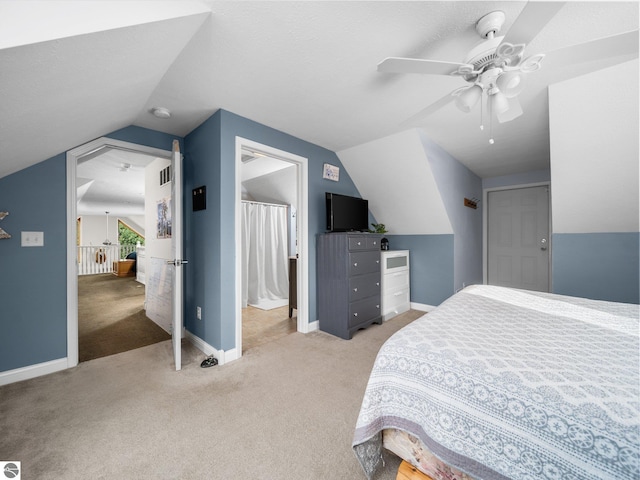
<point x="265" y="279"/>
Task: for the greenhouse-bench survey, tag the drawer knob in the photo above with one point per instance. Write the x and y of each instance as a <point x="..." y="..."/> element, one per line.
<point x="377" y="261"/>
<point x="359" y="243"/>
<point x="355" y="264"/>
<point x="355" y="289"/>
<point x="355" y="314"/>
<point x="377" y="284"/>
<point x="378" y="306"/>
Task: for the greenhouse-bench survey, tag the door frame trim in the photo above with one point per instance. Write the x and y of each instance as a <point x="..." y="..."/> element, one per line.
<point x="73" y="156"/>
<point x="302" y="178"/>
<point x="485" y="233"/>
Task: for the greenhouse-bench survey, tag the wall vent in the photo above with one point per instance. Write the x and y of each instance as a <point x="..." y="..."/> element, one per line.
<point x="165" y="175"/>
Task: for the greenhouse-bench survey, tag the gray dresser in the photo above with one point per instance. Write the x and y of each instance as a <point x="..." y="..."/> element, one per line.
<point x="348" y="276"/>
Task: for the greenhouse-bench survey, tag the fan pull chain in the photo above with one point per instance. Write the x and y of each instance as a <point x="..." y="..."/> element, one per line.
<point x="481" y="114"/>
<point x="491" y="141"/>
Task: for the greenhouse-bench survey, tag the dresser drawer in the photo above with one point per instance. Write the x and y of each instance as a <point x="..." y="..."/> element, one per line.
<point x="373" y="243"/>
<point x="396" y="302"/>
<point x="394" y="261"/>
<point x="357" y="242"/>
<point x="364" y="286"/>
<point x="364" y="310"/>
<point x="396" y="280"/>
<point x="364" y="262"/>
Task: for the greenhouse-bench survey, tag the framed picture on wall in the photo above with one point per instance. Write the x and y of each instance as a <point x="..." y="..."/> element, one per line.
<point x="4" y="234"/>
<point x="331" y="172"/>
<point x="164" y="218"/>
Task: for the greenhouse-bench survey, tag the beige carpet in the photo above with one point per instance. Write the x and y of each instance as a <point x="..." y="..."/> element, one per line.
<point x="285" y="410"/>
<point x="262" y="326"/>
<point x="111" y="317"/>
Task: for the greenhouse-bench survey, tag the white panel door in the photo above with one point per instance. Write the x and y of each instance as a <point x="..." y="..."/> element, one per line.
<point x="176" y="243"/>
<point x="518" y="238"/>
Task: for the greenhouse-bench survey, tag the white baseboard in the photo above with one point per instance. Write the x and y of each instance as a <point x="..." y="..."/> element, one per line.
<point x="220" y="355"/>
<point x="45" y="368"/>
<point x="422" y="307"/>
<point x="229" y="355"/>
<point x="32" y="371"/>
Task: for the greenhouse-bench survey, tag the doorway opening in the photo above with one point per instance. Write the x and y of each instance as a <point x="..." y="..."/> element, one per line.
<point x="266" y="315"/>
<point x="105" y="262"/>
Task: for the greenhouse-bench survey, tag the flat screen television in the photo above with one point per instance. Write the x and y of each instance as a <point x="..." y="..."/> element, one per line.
<point x="346" y="214"/>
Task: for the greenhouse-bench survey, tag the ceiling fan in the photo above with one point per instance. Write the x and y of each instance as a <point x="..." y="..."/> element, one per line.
<point x="496" y="68"/>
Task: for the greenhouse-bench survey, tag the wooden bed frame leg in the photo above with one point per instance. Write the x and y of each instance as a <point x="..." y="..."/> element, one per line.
<point x="406" y="471"/>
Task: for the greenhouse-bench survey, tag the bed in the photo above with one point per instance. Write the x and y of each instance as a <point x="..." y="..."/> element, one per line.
<point x="500" y="383"/>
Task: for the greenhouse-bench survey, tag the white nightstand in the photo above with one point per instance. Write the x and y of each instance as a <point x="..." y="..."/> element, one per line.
<point x="395" y="286"/>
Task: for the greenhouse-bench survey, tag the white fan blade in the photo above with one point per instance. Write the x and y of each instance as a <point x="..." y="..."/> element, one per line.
<point x="622" y="45"/>
<point x="534" y="16"/>
<point x="416" y="65"/>
<point x="425" y="112"/>
<point x="514" y="111"/>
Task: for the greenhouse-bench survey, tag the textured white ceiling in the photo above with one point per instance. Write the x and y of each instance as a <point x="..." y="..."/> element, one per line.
<point x="307" y="68"/>
<point x="104" y="184"/>
<point x="62" y="93"/>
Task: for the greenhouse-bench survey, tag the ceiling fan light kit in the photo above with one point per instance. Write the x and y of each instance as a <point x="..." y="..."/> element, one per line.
<point x="468" y="98"/>
<point x="499" y="102"/>
<point x="514" y="111"/>
<point x="496" y="68"/>
<point x="510" y="83"/>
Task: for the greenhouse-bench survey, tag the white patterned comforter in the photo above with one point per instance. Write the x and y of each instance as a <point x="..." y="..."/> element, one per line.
<point x="510" y="384"/>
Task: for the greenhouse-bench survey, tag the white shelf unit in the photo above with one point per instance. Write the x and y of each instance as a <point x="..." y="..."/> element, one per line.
<point x="395" y="287"/>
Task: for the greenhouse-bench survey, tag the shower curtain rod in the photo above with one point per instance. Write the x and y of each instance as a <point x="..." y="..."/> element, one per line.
<point x="263" y="203"/>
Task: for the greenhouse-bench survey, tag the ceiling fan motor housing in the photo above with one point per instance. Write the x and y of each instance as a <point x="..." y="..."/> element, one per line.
<point x="490" y="25"/>
<point x="484" y="55"/>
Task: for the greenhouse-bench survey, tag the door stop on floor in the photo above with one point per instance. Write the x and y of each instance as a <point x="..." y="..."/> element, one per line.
<point x="210" y="361"/>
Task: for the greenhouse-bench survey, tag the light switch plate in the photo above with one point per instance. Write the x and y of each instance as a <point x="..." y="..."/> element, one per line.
<point x="32" y="239"/>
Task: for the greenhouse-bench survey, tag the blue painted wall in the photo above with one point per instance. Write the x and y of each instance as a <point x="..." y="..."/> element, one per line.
<point x="33" y="289"/>
<point x="149" y="138"/>
<point x="603" y="266"/>
<point x="210" y="245"/>
<point x="202" y="241"/>
<point x="455" y="183"/>
<point x="431" y="260"/>
<point x="33" y="294"/>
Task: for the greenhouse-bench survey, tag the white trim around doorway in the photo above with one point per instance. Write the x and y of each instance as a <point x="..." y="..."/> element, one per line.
<point x="72" y="264"/>
<point x="302" y="177"/>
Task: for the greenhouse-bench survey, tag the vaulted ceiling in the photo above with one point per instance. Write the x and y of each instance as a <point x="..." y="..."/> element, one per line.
<point x="73" y="71"/>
